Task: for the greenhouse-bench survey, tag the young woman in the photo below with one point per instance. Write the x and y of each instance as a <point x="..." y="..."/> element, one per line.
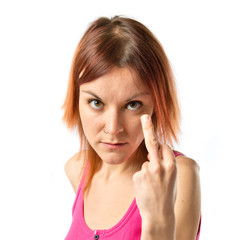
<point x="129" y="183"/>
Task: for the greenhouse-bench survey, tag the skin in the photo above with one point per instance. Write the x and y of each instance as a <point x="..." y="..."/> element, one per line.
<point x="121" y="118"/>
<point x="167" y="189"/>
<point x="155" y="187"/>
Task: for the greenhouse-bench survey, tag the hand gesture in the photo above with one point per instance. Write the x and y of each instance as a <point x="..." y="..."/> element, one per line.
<point x="155" y="184"/>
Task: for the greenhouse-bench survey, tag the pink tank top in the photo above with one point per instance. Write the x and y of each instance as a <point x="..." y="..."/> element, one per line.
<point x="128" y="228"/>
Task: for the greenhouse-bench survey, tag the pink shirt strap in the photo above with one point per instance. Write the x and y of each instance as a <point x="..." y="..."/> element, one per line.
<point x="176" y="153"/>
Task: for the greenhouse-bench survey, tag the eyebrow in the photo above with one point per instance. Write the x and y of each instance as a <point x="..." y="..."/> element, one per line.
<point x="129" y="99"/>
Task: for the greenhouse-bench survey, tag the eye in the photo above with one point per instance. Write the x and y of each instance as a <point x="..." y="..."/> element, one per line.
<point x="135" y="105"/>
<point x="96" y="104"/>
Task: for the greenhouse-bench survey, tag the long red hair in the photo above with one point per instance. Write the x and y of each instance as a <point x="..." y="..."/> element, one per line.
<point x="123" y="42"/>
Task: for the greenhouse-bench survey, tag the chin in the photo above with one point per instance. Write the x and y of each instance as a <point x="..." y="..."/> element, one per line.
<point x="113" y="158"/>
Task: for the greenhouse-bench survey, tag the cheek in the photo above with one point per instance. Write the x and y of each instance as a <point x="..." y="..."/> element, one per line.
<point x="89" y="123"/>
<point x="135" y="130"/>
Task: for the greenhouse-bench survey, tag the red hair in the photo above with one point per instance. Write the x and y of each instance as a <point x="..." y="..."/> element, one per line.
<point x="123" y="42"/>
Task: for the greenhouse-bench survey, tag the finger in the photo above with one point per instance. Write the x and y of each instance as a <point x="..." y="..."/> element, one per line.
<point x="145" y="166"/>
<point x="167" y="153"/>
<point x="150" y="138"/>
<point x="169" y="160"/>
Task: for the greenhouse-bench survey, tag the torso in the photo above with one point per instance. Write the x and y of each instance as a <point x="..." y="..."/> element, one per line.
<point x="105" y="206"/>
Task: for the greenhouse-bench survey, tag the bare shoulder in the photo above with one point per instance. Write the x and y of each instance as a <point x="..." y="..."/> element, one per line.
<point x="183" y="161"/>
<point x="188" y="202"/>
<point x="188" y="175"/>
<point x="74" y="168"/>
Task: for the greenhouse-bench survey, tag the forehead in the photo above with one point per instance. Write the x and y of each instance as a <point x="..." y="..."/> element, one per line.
<point x="117" y="82"/>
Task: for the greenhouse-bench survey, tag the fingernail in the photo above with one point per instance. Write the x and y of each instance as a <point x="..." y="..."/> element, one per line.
<point x="145" y="118"/>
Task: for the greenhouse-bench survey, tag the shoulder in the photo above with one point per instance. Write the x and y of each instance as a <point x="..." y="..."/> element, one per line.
<point x="186" y="162"/>
<point x="187" y="175"/>
<point x="74" y="168"/>
<point x="188" y="178"/>
<point x="188" y="202"/>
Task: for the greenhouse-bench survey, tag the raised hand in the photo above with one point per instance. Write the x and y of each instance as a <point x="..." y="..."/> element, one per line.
<point x="155" y="184"/>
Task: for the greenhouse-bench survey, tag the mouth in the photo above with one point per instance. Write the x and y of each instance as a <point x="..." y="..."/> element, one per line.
<point x="113" y="145"/>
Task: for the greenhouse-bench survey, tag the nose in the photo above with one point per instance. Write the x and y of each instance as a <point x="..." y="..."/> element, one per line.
<point x="113" y="123"/>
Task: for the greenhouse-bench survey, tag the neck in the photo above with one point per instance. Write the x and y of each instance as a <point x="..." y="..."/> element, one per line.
<point x="109" y="172"/>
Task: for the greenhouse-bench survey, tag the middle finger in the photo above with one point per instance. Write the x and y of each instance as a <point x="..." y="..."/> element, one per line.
<point x="151" y="140"/>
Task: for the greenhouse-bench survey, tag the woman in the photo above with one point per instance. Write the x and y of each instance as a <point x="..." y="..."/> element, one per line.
<point x="129" y="183"/>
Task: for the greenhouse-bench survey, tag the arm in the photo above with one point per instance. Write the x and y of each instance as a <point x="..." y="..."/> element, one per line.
<point x="188" y="202"/>
<point x="73" y="169"/>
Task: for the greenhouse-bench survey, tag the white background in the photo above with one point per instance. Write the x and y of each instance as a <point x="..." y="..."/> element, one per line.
<point x="37" y="42"/>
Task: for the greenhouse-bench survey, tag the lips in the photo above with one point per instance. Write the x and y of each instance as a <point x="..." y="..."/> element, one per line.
<point x="118" y="143"/>
<point x="113" y="145"/>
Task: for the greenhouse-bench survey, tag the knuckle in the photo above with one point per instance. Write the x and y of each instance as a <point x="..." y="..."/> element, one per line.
<point x="145" y="167"/>
<point x="155" y="142"/>
<point x="156" y="169"/>
<point x="148" y="127"/>
<point x="139" y="176"/>
<point x="144" y="173"/>
<point x="166" y="146"/>
<point x="171" y="167"/>
<point x="135" y="177"/>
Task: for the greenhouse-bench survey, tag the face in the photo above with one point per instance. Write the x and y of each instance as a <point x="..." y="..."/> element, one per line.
<point x="110" y="110"/>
